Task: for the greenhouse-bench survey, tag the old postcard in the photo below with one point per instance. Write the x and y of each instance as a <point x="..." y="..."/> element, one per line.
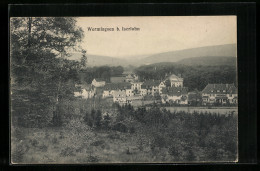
<point x="123" y="89"/>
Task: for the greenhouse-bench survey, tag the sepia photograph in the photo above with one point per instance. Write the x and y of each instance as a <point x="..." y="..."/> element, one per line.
<point x="140" y="89"/>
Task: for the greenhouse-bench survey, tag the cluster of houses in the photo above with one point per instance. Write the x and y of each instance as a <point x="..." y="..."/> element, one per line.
<point x="170" y="90"/>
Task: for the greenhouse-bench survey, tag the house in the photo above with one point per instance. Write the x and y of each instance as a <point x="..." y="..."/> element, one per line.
<point x="134" y="98"/>
<point x="136" y="87"/>
<point x="110" y="88"/>
<point x="84" y="91"/>
<point x="131" y="78"/>
<point x="161" y="86"/>
<point x="150" y="87"/>
<point x="119" y="97"/>
<point x="176" y="95"/>
<point x="176" y="81"/>
<point x="98" y="82"/>
<point x="219" y="94"/>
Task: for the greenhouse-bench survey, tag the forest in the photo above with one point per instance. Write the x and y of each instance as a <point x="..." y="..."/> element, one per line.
<point x="195" y="77"/>
<point x="104" y="72"/>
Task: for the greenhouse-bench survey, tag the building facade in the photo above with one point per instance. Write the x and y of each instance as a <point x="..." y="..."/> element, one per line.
<point x="175" y="95"/>
<point x="98" y="82"/>
<point x="84" y="91"/>
<point x="219" y="94"/>
<point x="176" y="81"/>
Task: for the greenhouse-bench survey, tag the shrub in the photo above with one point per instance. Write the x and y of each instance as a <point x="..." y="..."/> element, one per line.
<point x="120" y="127"/>
<point x="34" y="142"/>
<point x="132" y="130"/>
<point x="56" y="119"/>
<point x="114" y="136"/>
<point x="98" y="143"/>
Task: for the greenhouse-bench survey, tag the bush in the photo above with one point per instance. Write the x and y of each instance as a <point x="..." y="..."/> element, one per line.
<point x="132" y="130"/>
<point x="120" y="127"/>
<point x="98" y="143"/>
<point x="34" y="142"/>
<point x="113" y="136"/>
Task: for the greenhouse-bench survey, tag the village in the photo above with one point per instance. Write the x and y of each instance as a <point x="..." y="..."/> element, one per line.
<point x="170" y="91"/>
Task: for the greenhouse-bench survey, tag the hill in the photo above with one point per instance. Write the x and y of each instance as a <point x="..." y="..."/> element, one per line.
<point x="210" y="61"/>
<point x="228" y="50"/>
<point x="97" y="60"/>
<point x="220" y="54"/>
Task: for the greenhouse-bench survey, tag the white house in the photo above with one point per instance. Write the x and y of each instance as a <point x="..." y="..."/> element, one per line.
<point x="177" y="95"/>
<point x="136" y="87"/>
<point x="131" y="78"/>
<point x="150" y="87"/>
<point x="219" y="93"/>
<point x="161" y="86"/>
<point x="98" y="82"/>
<point x="119" y="97"/>
<point x="84" y="91"/>
<point x="175" y="81"/>
<point x="110" y="88"/>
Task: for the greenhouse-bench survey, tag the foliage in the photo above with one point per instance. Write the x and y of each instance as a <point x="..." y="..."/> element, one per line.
<point x="94" y="119"/>
<point x="104" y="72"/>
<point x="183" y="133"/>
<point x="41" y="77"/>
<point x="195" y="77"/>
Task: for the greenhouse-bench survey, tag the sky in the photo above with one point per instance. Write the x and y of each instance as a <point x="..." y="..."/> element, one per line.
<point x="156" y="34"/>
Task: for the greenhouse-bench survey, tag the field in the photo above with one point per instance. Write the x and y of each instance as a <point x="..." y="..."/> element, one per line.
<point x="129" y="136"/>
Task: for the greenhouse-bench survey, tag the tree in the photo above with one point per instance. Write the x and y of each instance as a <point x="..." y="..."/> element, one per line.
<point x="98" y="119"/>
<point x="40" y="74"/>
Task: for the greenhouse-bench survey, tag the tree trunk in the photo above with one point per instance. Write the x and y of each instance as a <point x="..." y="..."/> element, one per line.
<point x="29" y="31"/>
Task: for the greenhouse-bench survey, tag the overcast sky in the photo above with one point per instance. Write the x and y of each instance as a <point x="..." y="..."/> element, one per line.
<point x="157" y="34"/>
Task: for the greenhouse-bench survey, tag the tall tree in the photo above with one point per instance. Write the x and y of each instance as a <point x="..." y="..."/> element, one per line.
<point x="40" y="74"/>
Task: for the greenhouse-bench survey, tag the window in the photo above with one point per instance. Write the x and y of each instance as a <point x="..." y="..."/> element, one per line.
<point x="217" y="90"/>
<point x="230" y="95"/>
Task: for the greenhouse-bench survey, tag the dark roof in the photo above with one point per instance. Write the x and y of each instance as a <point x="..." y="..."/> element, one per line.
<point x="175" y="91"/>
<point x="148" y="84"/>
<point x="117" y="86"/>
<point x="175" y="77"/>
<point x="194" y="95"/>
<point x="220" y="89"/>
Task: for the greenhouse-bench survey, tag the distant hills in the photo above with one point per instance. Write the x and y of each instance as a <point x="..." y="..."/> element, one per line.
<point x="210" y="61"/>
<point x="98" y="60"/>
<point x="228" y="50"/>
<point x="209" y="55"/>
